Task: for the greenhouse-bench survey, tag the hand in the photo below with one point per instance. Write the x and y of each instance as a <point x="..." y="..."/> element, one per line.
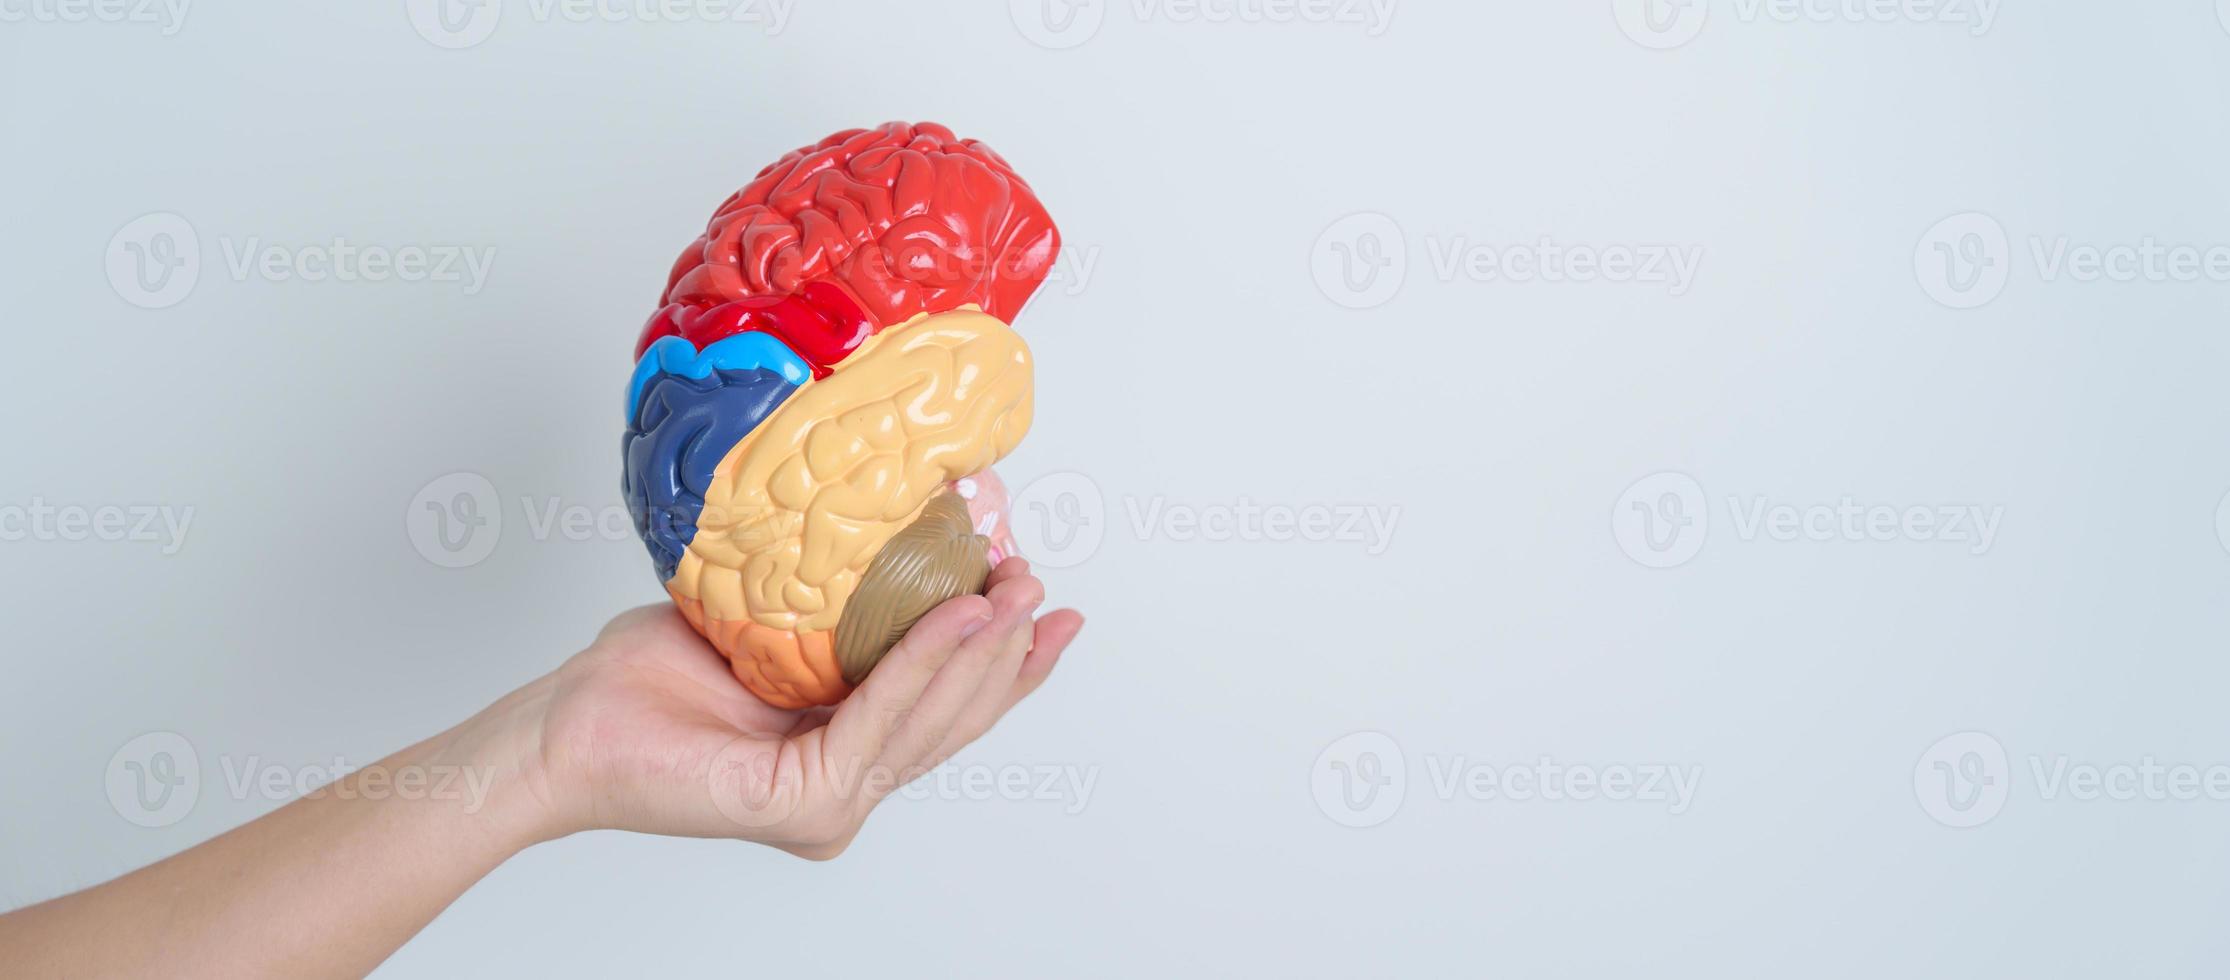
<point x="647" y="730"/>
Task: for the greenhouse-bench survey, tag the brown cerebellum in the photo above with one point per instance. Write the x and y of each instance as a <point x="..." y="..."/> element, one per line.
<point x="937" y="557"/>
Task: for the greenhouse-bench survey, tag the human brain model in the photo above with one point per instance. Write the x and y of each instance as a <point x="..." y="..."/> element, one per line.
<point x="818" y="401"/>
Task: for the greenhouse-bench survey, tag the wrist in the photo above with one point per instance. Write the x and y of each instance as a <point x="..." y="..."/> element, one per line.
<point x="500" y="750"/>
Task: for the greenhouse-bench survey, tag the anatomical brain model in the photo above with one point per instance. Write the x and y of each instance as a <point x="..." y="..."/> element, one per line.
<point x="818" y="401"/>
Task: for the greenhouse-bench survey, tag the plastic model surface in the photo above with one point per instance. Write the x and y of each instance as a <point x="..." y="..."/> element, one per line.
<point x="818" y="401"/>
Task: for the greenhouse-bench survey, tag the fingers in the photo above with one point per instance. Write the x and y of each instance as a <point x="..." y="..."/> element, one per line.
<point x="1014" y="599"/>
<point x="1055" y="630"/>
<point x="945" y="683"/>
<point x="1009" y="659"/>
<point x="862" y="726"/>
<point x="1025" y="667"/>
<point x="989" y="700"/>
<point x="1014" y="567"/>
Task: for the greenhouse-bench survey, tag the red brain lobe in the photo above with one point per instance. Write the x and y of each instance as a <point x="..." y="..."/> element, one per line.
<point x="907" y="218"/>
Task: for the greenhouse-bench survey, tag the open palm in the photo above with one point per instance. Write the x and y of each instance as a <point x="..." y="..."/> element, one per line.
<point x="647" y="730"/>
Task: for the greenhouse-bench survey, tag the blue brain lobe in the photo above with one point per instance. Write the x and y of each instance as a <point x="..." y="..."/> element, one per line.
<point x="682" y="428"/>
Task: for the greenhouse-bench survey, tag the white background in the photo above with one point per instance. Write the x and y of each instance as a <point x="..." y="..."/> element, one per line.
<point x="1203" y="167"/>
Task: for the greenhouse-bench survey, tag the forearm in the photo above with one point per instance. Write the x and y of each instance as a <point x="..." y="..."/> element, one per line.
<point x="646" y="730"/>
<point x="328" y="885"/>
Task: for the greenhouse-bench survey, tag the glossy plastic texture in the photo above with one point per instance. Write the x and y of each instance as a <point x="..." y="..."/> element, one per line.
<point x="828" y="356"/>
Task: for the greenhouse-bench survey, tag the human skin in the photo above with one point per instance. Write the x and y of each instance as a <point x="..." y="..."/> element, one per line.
<point x="645" y="730"/>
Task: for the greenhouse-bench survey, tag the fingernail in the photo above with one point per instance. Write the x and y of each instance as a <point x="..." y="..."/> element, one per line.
<point x="974" y="627"/>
